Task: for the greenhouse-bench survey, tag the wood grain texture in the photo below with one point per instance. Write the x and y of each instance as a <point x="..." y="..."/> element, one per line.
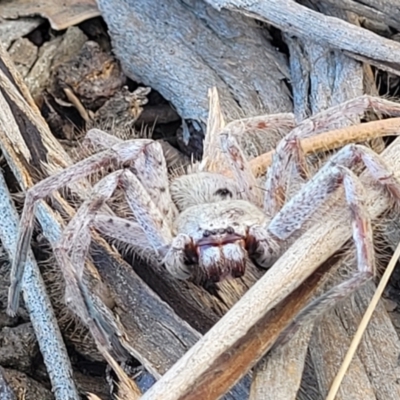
<point x="303" y="22"/>
<point x="183" y="48"/>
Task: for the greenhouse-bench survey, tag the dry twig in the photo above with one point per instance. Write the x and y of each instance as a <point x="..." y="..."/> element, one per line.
<point x="335" y="139"/>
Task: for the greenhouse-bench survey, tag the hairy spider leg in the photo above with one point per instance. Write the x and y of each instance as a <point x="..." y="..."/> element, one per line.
<point x="117" y="155"/>
<point x="149" y="166"/>
<point x="295" y="213"/>
<point x="241" y="169"/>
<point x="72" y="249"/>
<point x="289" y="150"/>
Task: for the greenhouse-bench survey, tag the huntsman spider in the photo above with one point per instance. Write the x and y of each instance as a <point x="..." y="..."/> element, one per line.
<point x="207" y="225"/>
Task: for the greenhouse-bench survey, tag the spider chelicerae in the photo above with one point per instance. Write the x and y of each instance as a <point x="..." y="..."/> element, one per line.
<point x="207" y="225"/>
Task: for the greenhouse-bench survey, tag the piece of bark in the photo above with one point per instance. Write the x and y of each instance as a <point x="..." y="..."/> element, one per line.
<point x="16" y="29"/>
<point x="311" y="390"/>
<point x="71" y="44"/>
<point x="18" y="347"/>
<point x="207" y="370"/>
<point x="334" y="78"/>
<point x="60" y="13"/>
<point x="321" y="79"/>
<point x="379" y="348"/>
<point x="121" y="111"/>
<point x="183" y="48"/>
<point x="327" y="360"/>
<point x="51" y="55"/>
<point x="383" y="11"/>
<point x="278" y="375"/>
<point x="24" y="54"/>
<point x="39" y="76"/>
<point x="323" y="345"/>
<point x="300" y="21"/>
<point x="92" y="384"/>
<point x="39" y="307"/>
<point x="25" y="387"/>
<point x="92" y="74"/>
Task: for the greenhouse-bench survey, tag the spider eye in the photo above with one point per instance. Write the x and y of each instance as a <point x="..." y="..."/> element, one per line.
<point x="224" y="193"/>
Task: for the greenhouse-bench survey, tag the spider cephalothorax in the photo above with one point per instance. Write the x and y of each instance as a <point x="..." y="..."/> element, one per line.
<point x="216" y="221"/>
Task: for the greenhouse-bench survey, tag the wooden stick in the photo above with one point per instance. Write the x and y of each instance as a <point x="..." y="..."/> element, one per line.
<point x="240" y="338"/>
<point x="335" y="139"/>
<point x="301" y="21"/>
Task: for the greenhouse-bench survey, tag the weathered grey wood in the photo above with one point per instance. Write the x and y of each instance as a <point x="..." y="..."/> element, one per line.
<point x="11" y="30"/>
<point x="24" y="386"/>
<point x="320" y="79"/>
<point x="385" y="11"/>
<point x="309" y="388"/>
<point x="278" y="374"/>
<point x="299" y="68"/>
<point x="182" y="48"/>
<point x="328" y="346"/>
<point x="380" y="346"/>
<point x="327" y="356"/>
<point x="38" y="304"/>
<point x="334" y="78"/>
<point x="300" y="21"/>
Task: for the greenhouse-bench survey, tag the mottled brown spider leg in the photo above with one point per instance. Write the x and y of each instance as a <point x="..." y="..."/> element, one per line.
<point x="76" y="236"/>
<point x="77" y="296"/>
<point x="288" y="151"/>
<point x="147" y="214"/>
<point x="241" y="169"/>
<point x="75" y="239"/>
<point x="117" y="154"/>
<point x="150" y="167"/>
<point x="73" y="247"/>
<point x="125" y="231"/>
<point x="156" y="229"/>
<point x="153" y="231"/>
<point x="293" y="215"/>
